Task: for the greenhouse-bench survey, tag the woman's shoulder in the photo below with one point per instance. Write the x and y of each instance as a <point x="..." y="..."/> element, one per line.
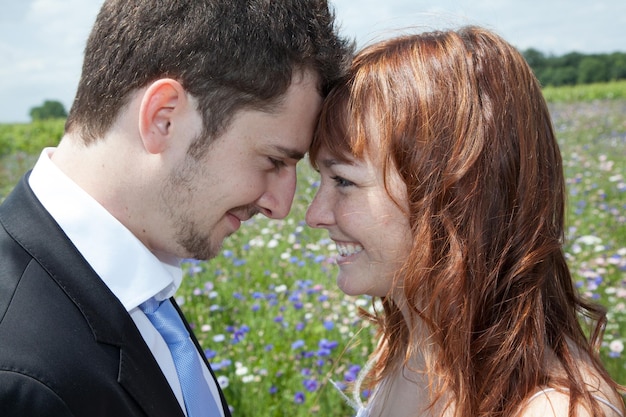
<point x="550" y="402"/>
<point x="555" y="401"/>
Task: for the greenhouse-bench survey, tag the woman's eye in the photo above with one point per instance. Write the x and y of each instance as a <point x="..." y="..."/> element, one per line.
<point x="341" y="182"/>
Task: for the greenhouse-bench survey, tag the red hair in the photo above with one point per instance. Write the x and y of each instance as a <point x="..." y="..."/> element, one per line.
<point x="461" y="117"/>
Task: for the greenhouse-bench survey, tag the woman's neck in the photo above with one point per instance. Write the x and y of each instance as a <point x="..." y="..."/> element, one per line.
<point x="405" y="392"/>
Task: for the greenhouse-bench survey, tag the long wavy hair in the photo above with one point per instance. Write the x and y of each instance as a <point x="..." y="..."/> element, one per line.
<point x="461" y="117"/>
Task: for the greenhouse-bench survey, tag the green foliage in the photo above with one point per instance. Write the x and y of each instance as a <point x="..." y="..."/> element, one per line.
<point x="618" y="71"/>
<point x="50" y="109"/>
<point x="20" y="145"/>
<point x="30" y="137"/>
<point x="592" y="70"/>
<point x="576" y="68"/>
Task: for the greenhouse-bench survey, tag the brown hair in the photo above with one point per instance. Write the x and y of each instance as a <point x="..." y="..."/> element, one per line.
<point x="462" y="119"/>
<point x="227" y="54"/>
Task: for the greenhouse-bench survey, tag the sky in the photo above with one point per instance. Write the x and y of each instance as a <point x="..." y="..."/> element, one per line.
<point x="42" y="41"/>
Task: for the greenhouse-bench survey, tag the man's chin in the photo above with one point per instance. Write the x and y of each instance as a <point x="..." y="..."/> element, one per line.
<point x="202" y="251"/>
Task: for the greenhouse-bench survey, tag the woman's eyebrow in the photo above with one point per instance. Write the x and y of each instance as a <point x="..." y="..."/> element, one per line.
<point x="330" y="162"/>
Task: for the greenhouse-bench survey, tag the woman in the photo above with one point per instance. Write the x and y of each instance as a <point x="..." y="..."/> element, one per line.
<point x="442" y="186"/>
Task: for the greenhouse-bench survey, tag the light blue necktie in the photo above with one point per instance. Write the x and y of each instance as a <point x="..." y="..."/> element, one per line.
<point x="198" y="398"/>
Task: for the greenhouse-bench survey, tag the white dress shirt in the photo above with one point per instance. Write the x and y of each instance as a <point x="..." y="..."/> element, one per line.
<point x="125" y="265"/>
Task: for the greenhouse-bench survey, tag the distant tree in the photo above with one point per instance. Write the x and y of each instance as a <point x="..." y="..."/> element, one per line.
<point x="536" y="59"/>
<point x="576" y="68"/>
<point x="571" y="59"/>
<point x="566" y="75"/>
<point x="557" y="76"/>
<point x="50" y="109"/>
<point x="618" y="66"/>
<point x="592" y="69"/>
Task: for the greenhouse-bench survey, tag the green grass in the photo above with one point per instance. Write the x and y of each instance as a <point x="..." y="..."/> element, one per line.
<point x="277" y="329"/>
<point x="586" y="92"/>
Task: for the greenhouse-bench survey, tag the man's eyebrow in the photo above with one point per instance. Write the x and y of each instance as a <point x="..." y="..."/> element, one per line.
<point x="290" y="153"/>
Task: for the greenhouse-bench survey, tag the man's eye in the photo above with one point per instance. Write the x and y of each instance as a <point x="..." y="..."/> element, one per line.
<point x="341" y="182"/>
<point x="277" y="163"/>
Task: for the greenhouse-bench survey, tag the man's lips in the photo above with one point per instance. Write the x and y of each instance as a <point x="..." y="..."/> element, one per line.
<point x="240" y="216"/>
<point x="234" y="220"/>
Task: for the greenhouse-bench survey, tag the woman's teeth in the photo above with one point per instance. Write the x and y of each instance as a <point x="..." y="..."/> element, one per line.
<point x="348" y="249"/>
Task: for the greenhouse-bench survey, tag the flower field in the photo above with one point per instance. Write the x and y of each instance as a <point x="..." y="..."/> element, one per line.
<point x="276" y="328"/>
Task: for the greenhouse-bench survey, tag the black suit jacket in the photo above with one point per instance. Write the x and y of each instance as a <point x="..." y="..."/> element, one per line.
<point x="67" y="345"/>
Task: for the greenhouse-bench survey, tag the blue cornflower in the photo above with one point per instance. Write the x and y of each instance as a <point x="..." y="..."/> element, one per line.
<point x="239" y="262"/>
<point x="351" y="374"/>
<point x="221" y="365"/>
<point x="328" y="344"/>
<point x="304" y="283"/>
<point x="299" y="397"/>
<point x="323" y="352"/>
<point x="320" y="258"/>
<point x="297" y="344"/>
<point x="310" y="385"/>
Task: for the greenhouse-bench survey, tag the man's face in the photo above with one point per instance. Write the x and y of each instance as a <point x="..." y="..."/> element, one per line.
<point x="250" y="168"/>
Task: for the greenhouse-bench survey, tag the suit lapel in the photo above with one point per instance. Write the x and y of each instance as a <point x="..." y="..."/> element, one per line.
<point x="27" y="221"/>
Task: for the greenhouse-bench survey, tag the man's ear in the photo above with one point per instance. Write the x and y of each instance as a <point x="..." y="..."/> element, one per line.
<point x="161" y="103"/>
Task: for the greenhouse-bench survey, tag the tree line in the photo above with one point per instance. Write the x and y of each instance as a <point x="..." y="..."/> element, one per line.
<point x="570" y="69"/>
<point x="576" y="68"/>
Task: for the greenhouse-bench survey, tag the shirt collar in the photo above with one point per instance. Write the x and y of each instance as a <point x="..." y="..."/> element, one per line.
<point x="127" y="267"/>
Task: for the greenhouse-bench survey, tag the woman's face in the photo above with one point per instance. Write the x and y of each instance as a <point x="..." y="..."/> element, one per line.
<point x="371" y="231"/>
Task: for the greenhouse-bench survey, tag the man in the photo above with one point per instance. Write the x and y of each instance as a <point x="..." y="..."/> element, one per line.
<point x="189" y="118"/>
